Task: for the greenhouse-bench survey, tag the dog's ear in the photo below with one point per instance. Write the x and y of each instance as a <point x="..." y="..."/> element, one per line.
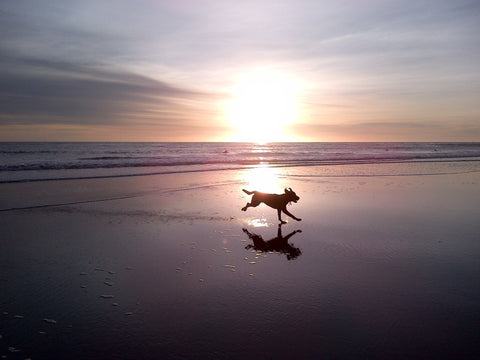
<point x="286" y="190"/>
<point x="290" y="189"/>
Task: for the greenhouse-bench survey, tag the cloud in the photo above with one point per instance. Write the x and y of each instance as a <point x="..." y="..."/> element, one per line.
<point x="41" y="91"/>
<point x="393" y="130"/>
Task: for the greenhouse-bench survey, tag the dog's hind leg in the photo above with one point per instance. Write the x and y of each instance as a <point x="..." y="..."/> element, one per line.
<point x="246" y="207"/>
<point x="249" y="205"/>
<point x="253" y="203"/>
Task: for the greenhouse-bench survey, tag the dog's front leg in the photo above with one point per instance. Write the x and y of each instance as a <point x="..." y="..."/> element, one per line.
<point x="280" y="216"/>
<point x="289" y="214"/>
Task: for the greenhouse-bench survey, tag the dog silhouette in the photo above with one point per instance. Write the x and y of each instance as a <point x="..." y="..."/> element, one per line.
<point x="276" y="201"/>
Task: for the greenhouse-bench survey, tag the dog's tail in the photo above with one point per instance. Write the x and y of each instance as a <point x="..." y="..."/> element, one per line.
<point x="248" y="192"/>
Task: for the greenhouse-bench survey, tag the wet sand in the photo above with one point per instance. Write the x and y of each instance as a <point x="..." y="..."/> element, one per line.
<point x="384" y="264"/>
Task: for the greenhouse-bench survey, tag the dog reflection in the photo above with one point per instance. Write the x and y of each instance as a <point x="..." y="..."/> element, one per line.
<point x="278" y="244"/>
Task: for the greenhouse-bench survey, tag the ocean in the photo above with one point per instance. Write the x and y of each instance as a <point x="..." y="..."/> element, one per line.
<point x="36" y="161"/>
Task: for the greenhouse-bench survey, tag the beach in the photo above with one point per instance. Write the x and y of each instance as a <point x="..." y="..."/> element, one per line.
<point x="384" y="265"/>
<point x="239" y="180"/>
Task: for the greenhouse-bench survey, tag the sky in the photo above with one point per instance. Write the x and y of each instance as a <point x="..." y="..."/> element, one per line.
<point x="291" y="70"/>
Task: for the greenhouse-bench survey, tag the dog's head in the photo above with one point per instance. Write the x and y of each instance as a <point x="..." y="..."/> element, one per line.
<point x="291" y="196"/>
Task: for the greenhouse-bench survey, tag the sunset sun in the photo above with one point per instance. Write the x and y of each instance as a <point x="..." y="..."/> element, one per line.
<point x="263" y="105"/>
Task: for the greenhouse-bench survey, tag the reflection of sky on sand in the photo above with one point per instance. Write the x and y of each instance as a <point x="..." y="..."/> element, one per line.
<point x="177" y="264"/>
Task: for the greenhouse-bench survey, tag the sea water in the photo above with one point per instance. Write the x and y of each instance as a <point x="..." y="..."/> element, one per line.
<point x="56" y="160"/>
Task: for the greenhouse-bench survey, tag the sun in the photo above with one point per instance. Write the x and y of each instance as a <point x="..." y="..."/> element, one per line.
<point x="264" y="103"/>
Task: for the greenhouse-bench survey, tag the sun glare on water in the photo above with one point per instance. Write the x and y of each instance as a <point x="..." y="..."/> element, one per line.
<point x="263" y="105"/>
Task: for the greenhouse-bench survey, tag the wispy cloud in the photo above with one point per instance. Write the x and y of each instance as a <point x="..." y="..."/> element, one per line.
<point x="40" y="91"/>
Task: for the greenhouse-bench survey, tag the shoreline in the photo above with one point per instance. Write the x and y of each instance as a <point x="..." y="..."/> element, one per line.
<point x="133" y="182"/>
<point x="315" y="163"/>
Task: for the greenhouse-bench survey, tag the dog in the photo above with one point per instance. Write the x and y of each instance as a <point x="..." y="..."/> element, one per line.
<point x="275" y="201"/>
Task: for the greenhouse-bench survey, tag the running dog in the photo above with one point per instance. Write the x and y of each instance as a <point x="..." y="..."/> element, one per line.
<point x="275" y="201"/>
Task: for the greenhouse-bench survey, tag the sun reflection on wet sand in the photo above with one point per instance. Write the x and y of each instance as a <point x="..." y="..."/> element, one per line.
<point x="258" y="222"/>
<point x="264" y="178"/>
